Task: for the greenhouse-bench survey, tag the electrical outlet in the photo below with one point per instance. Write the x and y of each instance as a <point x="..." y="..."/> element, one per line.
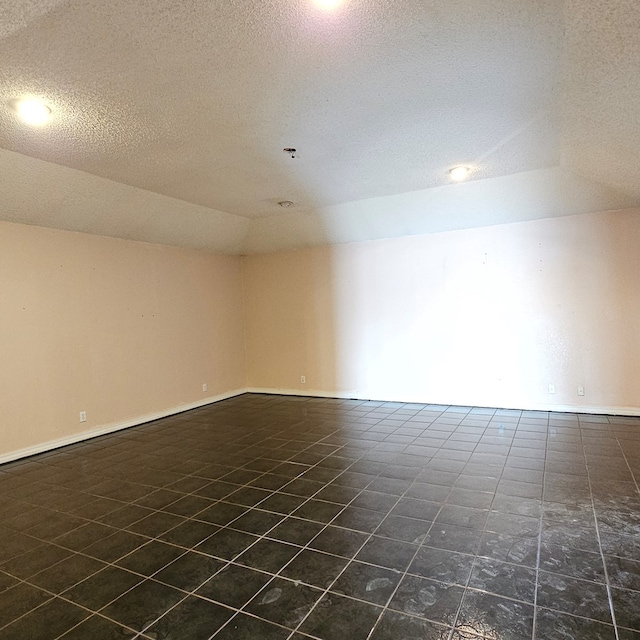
<point x="552" y="388"/>
<point x="83" y="416"/>
<point x="303" y="379"/>
<point x="580" y="390"/>
<point x="204" y="386"/>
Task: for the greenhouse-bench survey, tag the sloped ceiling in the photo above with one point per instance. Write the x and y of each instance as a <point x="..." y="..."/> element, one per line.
<point x="169" y="118"/>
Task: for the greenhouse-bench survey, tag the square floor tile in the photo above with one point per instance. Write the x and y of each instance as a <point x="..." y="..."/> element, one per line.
<point x="284" y="602"/>
<point x="442" y="565"/>
<point x="268" y="555"/>
<point x="56" y="616"/>
<point x="626" y="605"/>
<point x="504" y="579"/>
<point x="150" y="558"/>
<point x="18" y="600"/>
<point x="572" y="562"/>
<point x="394" y="625"/>
<point x="554" y="623"/>
<point x="427" y="599"/>
<point x="143" y="604"/>
<point x="189" y="571"/>
<point x="336" y="617"/>
<point x="226" y="544"/>
<point x="338" y="541"/>
<point x="296" y="531"/>
<point x="392" y="554"/>
<point x="453" y="538"/>
<point x="101" y="588"/>
<point x="367" y="582"/>
<point x="194" y="618"/>
<point x="256" y="521"/>
<point x="234" y="585"/>
<point x="314" y="568"/>
<point x="244" y="627"/>
<point x="97" y="628"/>
<point x="494" y="617"/>
<point x="573" y="596"/>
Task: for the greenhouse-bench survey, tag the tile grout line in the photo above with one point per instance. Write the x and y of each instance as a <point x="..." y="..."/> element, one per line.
<point x="112" y="564"/>
<point x="405" y="573"/>
<point x="369" y="537"/>
<point x="602" y="556"/>
<point x="377" y="453"/>
<point x="534" y="631"/>
<point x="475" y="555"/>
<point x="258" y="539"/>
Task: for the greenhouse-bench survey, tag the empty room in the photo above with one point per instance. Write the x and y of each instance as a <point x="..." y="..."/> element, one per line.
<point x="319" y="319"/>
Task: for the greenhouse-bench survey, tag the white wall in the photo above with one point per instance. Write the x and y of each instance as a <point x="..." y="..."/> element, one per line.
<point x="487" y="316"/>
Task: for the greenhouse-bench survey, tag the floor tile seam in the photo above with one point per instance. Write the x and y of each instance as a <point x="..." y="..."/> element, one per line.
<point x="113" y="564"/>
<point x="95" y="613"/>
<point x="501" y="596"/>
<point x="568" y="575"/>
<point x="59" y="596"/>
<point x="602" y="554"/>
<point x="324" y="525"/>
<point x="49" y="599"/>
<point x="57" y="510"/>
<point x="186" y="593"/>
<point x="485" y="530"/>
<point x="575" y="615"/>
<point x="388" y="608"/>
<point x="403" y="574"/>
<point x="238" y="613"/>
<point x="626" y="460"/>
<point x="175" y="605"/>
<point x="539" y="544"/>
<point x="271" y="492"/>
<point x="350" y="560"/>
<point x="387" y="605"/>
<point x="464" y="592"/>
<point x="264" y="536"/>
<point x="148" y="539"/>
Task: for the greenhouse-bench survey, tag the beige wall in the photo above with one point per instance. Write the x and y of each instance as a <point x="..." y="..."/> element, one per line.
<point x="488" y="316"/>
<point x="126" y="330"/>
<point x="119" y="329"/>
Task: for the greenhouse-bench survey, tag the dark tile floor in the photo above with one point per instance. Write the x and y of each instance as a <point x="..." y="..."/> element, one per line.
<point x="272" y="517"/>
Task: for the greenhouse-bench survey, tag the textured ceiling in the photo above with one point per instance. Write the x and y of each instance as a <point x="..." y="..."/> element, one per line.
<point x="188" y="105"/>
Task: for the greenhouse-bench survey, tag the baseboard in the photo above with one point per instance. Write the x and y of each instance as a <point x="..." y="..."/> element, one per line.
<point x="313" y="393"/>
<point x="112" y="427"/>
<point x="356" y="395"/>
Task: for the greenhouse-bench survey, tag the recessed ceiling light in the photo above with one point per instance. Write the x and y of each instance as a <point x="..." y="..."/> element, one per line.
<point x="459" y="173"/>
<point x="327" y="5"/>
<point x="32" y="111"/>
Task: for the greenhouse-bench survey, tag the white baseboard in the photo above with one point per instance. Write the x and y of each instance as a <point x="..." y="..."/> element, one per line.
<point x="114" y="426"/>
<point x="314" y="393"/>
<point x="359" y="395"/>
